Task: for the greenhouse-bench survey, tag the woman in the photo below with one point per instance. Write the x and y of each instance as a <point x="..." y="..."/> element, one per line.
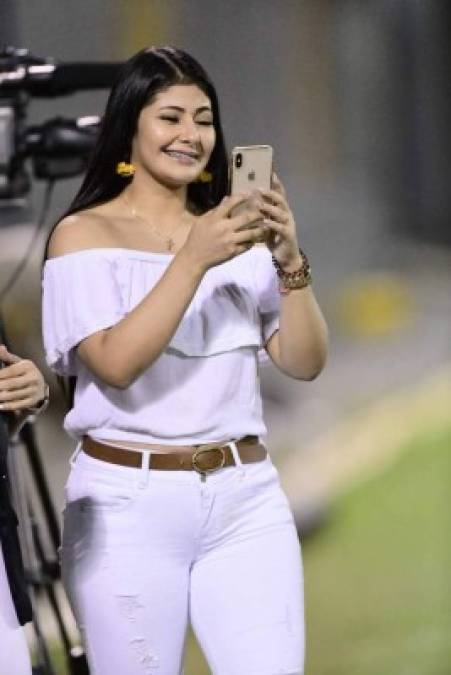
<point x="157" y="301"/>
<point x="23" y="392"/>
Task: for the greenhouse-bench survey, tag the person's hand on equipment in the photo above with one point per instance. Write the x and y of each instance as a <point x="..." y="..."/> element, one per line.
<point x="22" y="385"/>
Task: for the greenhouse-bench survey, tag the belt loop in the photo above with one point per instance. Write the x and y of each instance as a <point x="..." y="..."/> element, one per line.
<point x="145" y="464"/>
<point x="145" y="468"/>
<point x="74" y="455"/>
<point x="236" y="457"/>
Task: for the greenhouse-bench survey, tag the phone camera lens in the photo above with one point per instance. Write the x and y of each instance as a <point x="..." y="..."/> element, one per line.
<point x="238" y="160"/>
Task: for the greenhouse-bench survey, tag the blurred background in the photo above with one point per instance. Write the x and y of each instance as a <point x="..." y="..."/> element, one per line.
<point x="354" y="97"/>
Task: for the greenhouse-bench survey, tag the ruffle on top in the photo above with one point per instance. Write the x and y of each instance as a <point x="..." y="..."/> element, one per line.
<point x="235" y="305"/>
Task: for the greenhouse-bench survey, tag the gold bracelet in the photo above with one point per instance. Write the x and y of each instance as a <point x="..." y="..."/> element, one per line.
<point x="300" y="278"/>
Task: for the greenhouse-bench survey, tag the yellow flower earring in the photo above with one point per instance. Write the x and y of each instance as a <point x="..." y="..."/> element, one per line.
<point x="205" y="177"/>
<point x="125" y="169"/>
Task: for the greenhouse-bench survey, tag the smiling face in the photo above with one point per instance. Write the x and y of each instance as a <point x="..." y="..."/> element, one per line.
<point x="175" y="135"/>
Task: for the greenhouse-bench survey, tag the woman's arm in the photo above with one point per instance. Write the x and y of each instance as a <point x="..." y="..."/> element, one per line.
<point x="299" y="347"/>
<point x="23" y="390"/>
<point x="120" y="354"/>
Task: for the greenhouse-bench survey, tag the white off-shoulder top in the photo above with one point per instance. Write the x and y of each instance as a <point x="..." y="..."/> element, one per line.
<point x="205" y="386"/>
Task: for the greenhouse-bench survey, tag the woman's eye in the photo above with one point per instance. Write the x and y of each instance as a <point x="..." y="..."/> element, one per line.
<point x="205" y="123"/>
<point x="173" y="120"/>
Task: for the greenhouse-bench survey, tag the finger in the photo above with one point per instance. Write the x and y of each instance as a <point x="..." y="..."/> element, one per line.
<point x="275" y="213"/>
<point x="229" y="203"/>
<point x="21" y="367"/>
<point x="18" y="394"/>
<point x="276" y="184"/>
<point x="245" y="219"/>
<point x="274" y="226"/>
<point x="8" y="357"/>
<point x="14" y="382"/>
<point x="32" y="390"/>
<point x="22" y="404"/>
<point x="250" y="236"/>
<point x="12" y="378"/>
<point x="13" y="370"/>
<point x="275" y="198"/>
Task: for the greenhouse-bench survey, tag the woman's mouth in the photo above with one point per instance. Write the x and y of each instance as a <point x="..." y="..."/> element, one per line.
<point x="183" y="156"/>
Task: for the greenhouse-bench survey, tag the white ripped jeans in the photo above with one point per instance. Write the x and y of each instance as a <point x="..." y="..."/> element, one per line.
<point x="144" y="552"/>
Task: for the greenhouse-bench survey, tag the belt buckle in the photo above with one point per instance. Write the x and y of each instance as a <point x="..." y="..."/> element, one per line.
<point x="207" y="447"/>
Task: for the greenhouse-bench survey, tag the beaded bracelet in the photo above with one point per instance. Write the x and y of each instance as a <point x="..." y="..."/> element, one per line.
<point x="300" y="278"/>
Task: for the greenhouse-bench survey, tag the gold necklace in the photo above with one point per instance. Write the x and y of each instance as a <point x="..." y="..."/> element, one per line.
<point x="169" y="241"/>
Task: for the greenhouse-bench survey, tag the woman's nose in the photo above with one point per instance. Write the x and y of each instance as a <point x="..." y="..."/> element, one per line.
<point x="189" y="131"/>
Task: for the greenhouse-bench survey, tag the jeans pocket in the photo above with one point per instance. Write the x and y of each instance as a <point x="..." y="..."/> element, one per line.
<point x="106" y="495"/>
<point x="98" y="488"/>
<point x="261" y="475"/>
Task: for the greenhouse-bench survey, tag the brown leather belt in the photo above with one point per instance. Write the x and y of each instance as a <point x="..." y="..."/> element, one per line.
<point x="201" y="458"/>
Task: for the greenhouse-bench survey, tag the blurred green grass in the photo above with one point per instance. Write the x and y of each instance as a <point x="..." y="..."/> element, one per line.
<point x="378" y="595"/>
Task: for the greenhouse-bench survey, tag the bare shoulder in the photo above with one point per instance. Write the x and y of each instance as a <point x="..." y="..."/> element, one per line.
<point x="78" y="232"/>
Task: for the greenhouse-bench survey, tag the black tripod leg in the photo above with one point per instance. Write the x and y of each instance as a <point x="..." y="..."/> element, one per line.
<point x="75" y="657"/>
<point x="28" y="438"/>
<point x="47" y="583"/>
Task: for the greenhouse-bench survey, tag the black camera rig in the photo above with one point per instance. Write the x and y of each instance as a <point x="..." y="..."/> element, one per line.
<point x="58" y="148"/>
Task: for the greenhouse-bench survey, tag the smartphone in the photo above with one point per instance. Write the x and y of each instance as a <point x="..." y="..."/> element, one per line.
<point x="250" y="168"/>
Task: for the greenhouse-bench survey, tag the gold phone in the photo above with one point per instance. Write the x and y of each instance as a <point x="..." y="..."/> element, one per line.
<point x="250" y="168"/>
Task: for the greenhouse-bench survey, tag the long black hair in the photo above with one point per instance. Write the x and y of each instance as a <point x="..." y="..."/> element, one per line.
<point x="140" y="79"/>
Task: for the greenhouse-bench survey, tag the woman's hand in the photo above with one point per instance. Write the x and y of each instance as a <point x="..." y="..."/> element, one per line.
<point x="282" y="239"/>
<point x="216" y="236"/>
<point x="22" y="384"/>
